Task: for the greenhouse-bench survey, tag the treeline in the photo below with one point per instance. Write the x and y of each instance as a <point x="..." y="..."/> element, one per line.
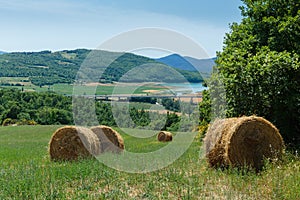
<point x="49" y="108"/>
<point x="34" y="108"/>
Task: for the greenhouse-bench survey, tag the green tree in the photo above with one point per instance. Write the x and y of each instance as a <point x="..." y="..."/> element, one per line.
<point x="172" y="122"/>
<point x="259" y="65"/>
<point x="24" y="116"/>
<point x="14" y="110"/>
<point x="50" y="116"/>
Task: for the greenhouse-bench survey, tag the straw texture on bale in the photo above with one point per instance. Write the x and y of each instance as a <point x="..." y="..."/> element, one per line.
<point x="242" y="142"/>
<point x="164" y="136"/>
<point x="110" y="140"/>
<point x="72" y="143"/>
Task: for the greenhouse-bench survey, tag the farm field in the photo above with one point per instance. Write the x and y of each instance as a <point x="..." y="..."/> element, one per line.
<point x="26" y="172"/>
<point x="67" y="89"/>
<point x="23" y="83"/>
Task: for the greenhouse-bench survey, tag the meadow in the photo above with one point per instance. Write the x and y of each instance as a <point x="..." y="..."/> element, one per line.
<point x="26" y="172"/>
<point x="67" y="89"/>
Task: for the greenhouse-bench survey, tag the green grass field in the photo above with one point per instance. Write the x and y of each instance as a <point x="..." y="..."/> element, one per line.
<point x="100" y="90"/>
<point x="27" y="173"/>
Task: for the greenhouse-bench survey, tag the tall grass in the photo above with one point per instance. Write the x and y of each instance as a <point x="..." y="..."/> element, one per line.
<point x="27" y="173"/>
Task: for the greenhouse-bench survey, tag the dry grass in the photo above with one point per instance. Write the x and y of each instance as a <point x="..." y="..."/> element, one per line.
<point x="164" y="136"/>
<point x="244" y="141"/>
<point x="110" y="140"/>
<point x="72" y="143"/>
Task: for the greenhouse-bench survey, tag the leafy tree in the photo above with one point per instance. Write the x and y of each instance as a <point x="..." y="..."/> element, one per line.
<point x="171" y="104"/>
<point x="23" y="116"/>
<point x="53" y="116"/>
<point x="14" y="110"/>
<point x="48" y="108"/>
<point x="173" y="121"/>
<point x="259" y="66"/>
<point x="205" y="108"/>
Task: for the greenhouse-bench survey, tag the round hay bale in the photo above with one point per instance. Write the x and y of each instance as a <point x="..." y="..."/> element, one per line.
<point x="110" y="140"/>
<point x="242" y="142"/>
<point x="164" y="136"/>
<point x="72" y="143"/>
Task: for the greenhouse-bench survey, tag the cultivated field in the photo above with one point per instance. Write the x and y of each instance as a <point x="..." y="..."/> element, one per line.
<point x="27" y="173"/>
<point x="23" y="83"/>
<point x="67" y="89"/>
<point x="101" y="89"/>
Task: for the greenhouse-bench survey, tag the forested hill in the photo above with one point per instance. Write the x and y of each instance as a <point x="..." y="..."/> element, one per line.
<point x="47" y="68"/>
<point x="43" y="67"/>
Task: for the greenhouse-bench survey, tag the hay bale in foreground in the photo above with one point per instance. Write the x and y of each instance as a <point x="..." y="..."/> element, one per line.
<point x="164" y="136"/>
<point x="72" y="143"/>
<point x="110" y="140"/>
<point x="242" y="142"/>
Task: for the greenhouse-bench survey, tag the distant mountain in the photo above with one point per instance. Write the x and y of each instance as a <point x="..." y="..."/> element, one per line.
<point x="204" y="66"/>
<point x="2" y="52"/>
<point x="177" y="61"/>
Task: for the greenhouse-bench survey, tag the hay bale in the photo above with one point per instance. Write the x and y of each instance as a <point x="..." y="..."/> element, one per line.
<point x="110" y="140"/>
<point x="72" y="143"/>
<point x="164" y="136"/>
<point x="242" y="142"/>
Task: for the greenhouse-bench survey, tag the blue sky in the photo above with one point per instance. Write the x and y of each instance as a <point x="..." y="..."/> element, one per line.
<point x="35" y="25"/>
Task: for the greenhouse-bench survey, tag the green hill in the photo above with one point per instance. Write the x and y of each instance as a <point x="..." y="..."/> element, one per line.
<point x="48" y="68"/>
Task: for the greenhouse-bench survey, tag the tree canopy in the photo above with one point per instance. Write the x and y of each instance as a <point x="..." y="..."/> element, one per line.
<point x="259" y="66"/>
<point x="48" y="108"/>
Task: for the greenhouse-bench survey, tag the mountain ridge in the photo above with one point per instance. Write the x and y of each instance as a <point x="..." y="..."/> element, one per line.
<point x="204" y="66"/>
<point x="177" y="61"/>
